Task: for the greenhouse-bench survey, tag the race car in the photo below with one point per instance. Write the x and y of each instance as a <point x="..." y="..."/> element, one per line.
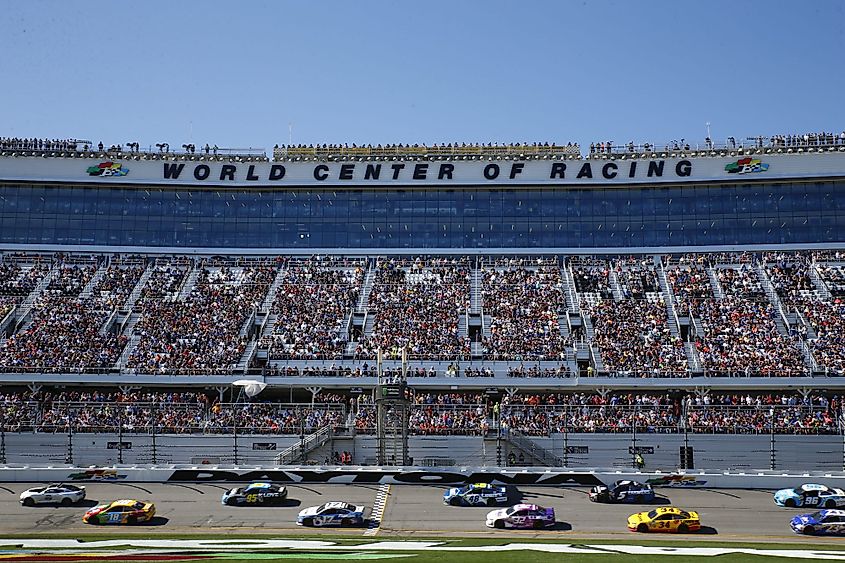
<point x="476" y="494"/>
<point x="622" y="491"/>
<point x="332" y="514"/>
<point x="57" y="493"/>
<point x="255" y="494"/>
<point x="820" y="523"/>
<point x="125" y="511"/>
<point x="810" y="494"/>
<point x="522" y="516"/>
<point x="665" y="519"/>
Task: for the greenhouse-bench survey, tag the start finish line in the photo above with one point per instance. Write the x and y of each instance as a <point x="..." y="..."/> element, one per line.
<point x="136" y="547"/>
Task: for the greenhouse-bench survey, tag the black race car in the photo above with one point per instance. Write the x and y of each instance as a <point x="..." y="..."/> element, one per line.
<point x="255" y="494"/>
<point x="622" y="491"/>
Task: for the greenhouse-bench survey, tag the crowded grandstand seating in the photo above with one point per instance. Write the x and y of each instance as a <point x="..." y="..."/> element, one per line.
<point x="745" y="314"/>
<point x="201" y="331"/>
<point x="431" y="413"/>
<point x="334" y="152"/>
<point x="524" y="304"/>
<point x="418" y="306"/>
<point x="741" y="337"/>
<point x="312" y="309"/>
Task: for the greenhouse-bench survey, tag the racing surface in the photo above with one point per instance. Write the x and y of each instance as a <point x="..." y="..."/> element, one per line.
<point x="411" y="511"/>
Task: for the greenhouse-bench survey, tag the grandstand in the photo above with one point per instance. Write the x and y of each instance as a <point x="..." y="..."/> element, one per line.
<point x="525" y="292"/>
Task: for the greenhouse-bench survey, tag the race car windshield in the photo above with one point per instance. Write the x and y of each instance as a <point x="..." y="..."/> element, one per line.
<point x="653" y="514"/>
<point x="138" y="505"/>
<point x="510" y="511"/>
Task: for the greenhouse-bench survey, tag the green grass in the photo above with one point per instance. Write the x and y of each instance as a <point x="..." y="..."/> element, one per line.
<point x="525" y="556"/>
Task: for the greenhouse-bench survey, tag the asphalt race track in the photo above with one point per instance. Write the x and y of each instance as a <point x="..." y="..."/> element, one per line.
<point x="411" y="511"/>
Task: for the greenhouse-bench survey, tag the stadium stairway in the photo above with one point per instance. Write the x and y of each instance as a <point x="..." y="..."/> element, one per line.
<point x="783" y="320"/>
<point x="246" y="358"/>
<point x="189" y="283"/>
<point x="25" y="309"/>
<point x="714" y="283"/>
<point x="569" y="292"/>
<point x="366" y="289"/>
<point x="668" y="299"/>
<point x="475" y="294"/>
<point x="139" y="287"/>
<point x="532" y="452"/>
<point x="270" y="298"/>
<point x="819" y="283"/>
<point x="615" y="288"/>
<point x="298" y="452"/>
<point x="88" y="290"/>
<point x="595" y="353"/>
<point x="692" y="358"/>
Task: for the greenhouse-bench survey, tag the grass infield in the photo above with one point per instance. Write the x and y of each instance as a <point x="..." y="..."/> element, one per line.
<point x="521" y="556"/>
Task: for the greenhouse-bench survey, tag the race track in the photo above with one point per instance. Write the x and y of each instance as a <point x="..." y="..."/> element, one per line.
<point x="411" y="511"/>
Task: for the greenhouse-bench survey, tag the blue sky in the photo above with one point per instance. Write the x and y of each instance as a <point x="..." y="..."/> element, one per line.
<point x="237" y="73"/>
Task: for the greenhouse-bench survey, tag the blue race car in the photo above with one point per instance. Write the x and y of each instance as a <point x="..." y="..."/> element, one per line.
<point x="810" y="494"/>
<point x="476" y="494"/>
<point x="821" y="523"/>
<point x="622" y="491"/>
<point x="332" y="514"/>
<point x="255" y="494"/>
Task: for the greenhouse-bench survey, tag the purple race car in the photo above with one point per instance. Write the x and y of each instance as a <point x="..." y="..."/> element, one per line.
<point x="522" y="516"/>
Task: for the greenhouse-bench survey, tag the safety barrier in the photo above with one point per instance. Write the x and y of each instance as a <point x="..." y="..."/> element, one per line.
<point x="415" y="476"/>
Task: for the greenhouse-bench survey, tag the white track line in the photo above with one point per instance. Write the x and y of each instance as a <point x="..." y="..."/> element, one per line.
<point x="378" y="510"/>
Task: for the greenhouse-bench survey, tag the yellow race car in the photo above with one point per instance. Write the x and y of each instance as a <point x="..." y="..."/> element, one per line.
<point x="121" y="512"/>
<point x="665" y="519"/>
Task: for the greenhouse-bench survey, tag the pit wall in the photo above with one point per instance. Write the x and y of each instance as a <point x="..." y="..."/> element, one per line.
<point x="413" y="476"/>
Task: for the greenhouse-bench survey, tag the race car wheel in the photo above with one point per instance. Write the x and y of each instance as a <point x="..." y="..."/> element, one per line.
<point x="638" y="499"/>
<point x="538" y="525"/>
<point x="28" y="501"/>
<point x="455" y="501"/>
<point x="790" y="502"/>
<point x="499" y="524"/>
<point x="809" y="531"/>
<point x="830" y="504"/>
<point x="683" y="529"/>
<point x="642" y="528"/>
<point x="307" y="521"/>
<point x="491" y="502"/>
<point x="132" y="520"/>
<point x="346" y="522"/>
<point x="66" y="502"/>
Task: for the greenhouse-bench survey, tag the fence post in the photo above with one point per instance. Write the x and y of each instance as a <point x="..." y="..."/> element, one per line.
<point x="120" y="440"/>
<point x="235" y="437"/>
<point x="154" y="442"/>
<point x="772" y="445"/>
<point x="69" y="455"/>
<point x="634" y="438"/>
<point x="2" y="444"/>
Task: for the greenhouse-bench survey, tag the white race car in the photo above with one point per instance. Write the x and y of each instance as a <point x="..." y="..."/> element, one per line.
<point x="57" y="493"/>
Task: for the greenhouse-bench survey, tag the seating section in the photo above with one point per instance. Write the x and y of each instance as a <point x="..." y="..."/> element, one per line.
<point x="431" y="413"/>
<point x="724" y="314"/>
<point x="65" y="330"/>
<point x="419" y="306"/>
<point x="524" y="305"/>
<point x="632" y="332"/>
<point x="312" y="310"/>
<point x="201" y="330"/>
